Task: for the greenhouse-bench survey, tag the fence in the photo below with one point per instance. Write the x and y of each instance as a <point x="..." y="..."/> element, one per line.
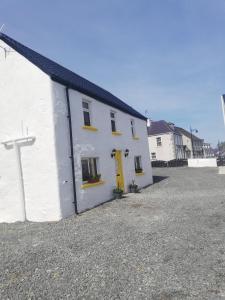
<point x="170" y="163"/>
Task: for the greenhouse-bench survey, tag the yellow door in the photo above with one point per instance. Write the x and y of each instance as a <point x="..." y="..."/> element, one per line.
<point x="119" y="170"/>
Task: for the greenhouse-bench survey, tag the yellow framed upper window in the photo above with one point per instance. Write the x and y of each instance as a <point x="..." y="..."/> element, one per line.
<point x="86" y="113"/>
<point x="113" y="121"/>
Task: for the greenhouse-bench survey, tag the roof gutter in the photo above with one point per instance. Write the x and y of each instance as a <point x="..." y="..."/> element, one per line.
<point x="71" y="149"/>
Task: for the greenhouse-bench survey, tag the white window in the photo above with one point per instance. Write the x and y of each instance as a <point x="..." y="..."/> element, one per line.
<point x="90" y="169"/>
<point x="153" y="154"/>
<point x="113" y="121"/>
<point x="132" y="124"/>
<point x="138" y="164"/>
<point x="159" y="141"/>
<point x="86" y="113"/>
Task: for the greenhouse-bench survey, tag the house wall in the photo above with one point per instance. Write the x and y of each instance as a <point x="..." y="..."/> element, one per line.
<point x="179" y="146"/>
<point x="198" y="148"/>
<point x="197" y="145"/>
<point x="99" y="144"/>
<point x="187" y="143"/>
<point x="26" y="107"/>
<point x="167" y="150"/>
<point x="208" y="152"/>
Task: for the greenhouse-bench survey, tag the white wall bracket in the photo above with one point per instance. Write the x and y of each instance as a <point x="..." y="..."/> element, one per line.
<point x="16" y="144"/>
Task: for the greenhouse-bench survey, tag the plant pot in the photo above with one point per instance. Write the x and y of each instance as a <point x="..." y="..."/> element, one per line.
<point x="133" y="189"/>
<point x="118" y="195"/>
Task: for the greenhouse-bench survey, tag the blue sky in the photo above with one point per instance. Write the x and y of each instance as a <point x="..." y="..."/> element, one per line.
<point x="164" y="56"/>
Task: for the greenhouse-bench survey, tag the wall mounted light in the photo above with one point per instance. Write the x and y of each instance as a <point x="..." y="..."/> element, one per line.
<point x="113" y="153"/>
<point x="126" y="152"/>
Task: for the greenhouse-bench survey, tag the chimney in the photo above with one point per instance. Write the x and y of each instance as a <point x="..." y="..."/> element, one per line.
<point x="171" y="125"/>
<point x="149" y="122"/>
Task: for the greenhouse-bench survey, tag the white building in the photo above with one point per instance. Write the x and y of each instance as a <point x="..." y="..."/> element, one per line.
<point x="207" y="150"/>
<point x="65" y="142"/>
<point x="165" y="142"/>
<point x="193" y="145"/>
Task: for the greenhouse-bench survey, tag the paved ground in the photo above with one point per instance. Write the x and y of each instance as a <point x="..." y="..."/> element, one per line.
<point x="166" y="243"/>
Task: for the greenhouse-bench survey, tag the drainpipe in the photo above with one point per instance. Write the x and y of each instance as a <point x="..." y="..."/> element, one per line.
<point x="20" y="177"/>
<point x="71" y="149"/>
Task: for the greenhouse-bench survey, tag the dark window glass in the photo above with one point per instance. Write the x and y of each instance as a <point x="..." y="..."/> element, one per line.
<point x="87" y="120"/>
<point x="93" y="166"/>
<point x="153" y="155"/>
<point x="85" y="105"/>
<point x="85" y="169"/>
<point x="159" y="141"/>
<point x="132" y="128"/>
<point x="89" y="168"/>
<point x="113" y="125"/>
<point x="137" y="162"/>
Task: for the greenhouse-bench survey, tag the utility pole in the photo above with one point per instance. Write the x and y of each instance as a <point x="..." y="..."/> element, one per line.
<point x="223" y="106"/>
<point x="192" y="144"/>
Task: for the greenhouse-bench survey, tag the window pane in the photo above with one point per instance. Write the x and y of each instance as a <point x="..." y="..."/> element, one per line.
<point x="132" y="130"/>
<point x="158" y="141"/>
<point x="137" y="162"/>
<point x="112" y="115"/>
<point x="85" y="169"/>
<point x="113" y="125"/>
<point x="87" y="121"/>
<point x="85" y="105"/>
<point x="93" y="167"/>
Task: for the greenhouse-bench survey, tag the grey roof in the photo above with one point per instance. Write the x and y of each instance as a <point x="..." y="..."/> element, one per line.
<point x="188" y="134"/>
<point x="161" y="127"/>
<point x="68" y="78"/>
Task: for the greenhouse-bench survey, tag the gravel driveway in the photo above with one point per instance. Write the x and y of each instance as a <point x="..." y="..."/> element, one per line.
<point x="167" y="242"/>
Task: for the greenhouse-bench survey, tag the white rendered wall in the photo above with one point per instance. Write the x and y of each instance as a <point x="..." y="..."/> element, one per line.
<point x="202" y="162"/>
<point x="26" y="105"/>
<point x="187" y="142"/>
<point x="100" y="144"/>
<point x="167" y="150"/>
<point x="63" y="150"/>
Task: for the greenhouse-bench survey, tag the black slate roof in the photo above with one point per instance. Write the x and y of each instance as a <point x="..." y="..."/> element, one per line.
<point x="161" y="127"/>
<point x="68" y="78"/>
<point x="188" y="134"/>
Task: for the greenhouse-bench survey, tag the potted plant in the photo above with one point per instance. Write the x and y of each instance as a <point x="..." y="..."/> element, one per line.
<point x="139" y="170"/>
<point x="94" y="179"/>
<point x="117" y="193"/>
<point x="133" y="187"/>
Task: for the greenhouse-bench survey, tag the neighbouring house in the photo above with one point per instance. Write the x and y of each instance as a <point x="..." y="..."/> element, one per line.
<point x="165" y="142"/>
<point x="193" y="146"/>
<point x="207" y="150"/>
<point x="66" y="143"/>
